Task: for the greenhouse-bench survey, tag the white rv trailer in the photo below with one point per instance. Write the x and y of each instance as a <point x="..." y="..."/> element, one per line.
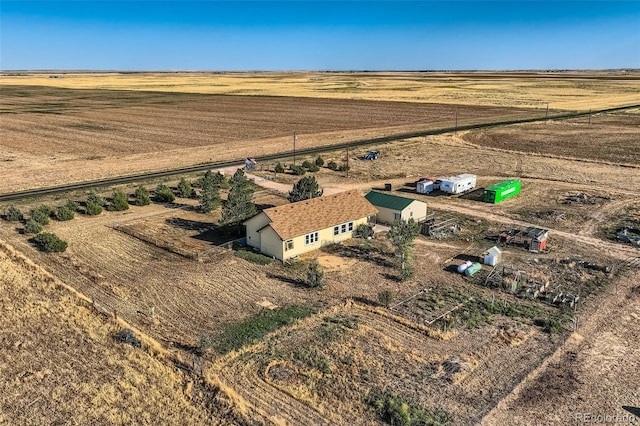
<point x="458" y="184"/>
<point x="424" y="186"/>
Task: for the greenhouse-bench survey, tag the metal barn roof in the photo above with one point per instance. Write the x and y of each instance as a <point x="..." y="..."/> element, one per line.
<point x="389" y="201"/>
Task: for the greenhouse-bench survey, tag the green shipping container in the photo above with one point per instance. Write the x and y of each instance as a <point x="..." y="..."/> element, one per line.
<point x="500" y="191"/>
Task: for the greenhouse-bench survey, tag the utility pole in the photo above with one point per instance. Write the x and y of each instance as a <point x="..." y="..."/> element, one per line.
<point x="347" y="161"/>
<point x="294" y="148"/>
<point x="546" y="114"/>
<point x="456" y="131"/>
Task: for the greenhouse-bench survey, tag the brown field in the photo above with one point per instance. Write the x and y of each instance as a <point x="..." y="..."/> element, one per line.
<point x="569" y="90"/>
<point x="465" y="364"/>
<point x="61" y="363"/>
<point x="54" y="136"/>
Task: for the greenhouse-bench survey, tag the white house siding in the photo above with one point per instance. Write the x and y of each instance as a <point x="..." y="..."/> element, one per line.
<point x="416" y="211"/>
<point x="252" y="226"/>
<point x="270" y="243"/>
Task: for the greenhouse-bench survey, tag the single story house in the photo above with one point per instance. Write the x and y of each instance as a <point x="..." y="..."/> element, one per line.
<point x="289" y="230"/>
<point x="392" y="207"/>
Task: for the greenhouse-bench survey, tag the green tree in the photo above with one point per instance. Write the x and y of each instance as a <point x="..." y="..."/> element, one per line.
<point x="92" y="208"/>
<point x="298" y="170"/>
<point x="97" y="199"/>
<point x="41" y="214"/>
<point x="50" y="243"/>
<point x="32" y="227"/>
<point x="315" y="275"/>
<point x="185" y="190"/>
<point x="164" y="194"/>
<point x="210" y="193"/>
<point x="279" y="168"/>
<point x="402" y="234"/>
<point x="304" y="189"/>
<point x="63" y="213"/>
<point x="72" y="205"/>
<point x="319" y="161"/>
<point x="120" y="201"/>
<point x="332" y="165"/>
<point x="142" y="196"/>
<point x="13" y="214"/>
<point x="239" y="205"/>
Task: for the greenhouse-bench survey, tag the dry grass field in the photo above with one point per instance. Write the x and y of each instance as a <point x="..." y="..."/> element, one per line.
<point x="450" y="349"/>
<point x="568" y="90"/>
<point x="61" y="363"/>
<point x="54" y="136"/>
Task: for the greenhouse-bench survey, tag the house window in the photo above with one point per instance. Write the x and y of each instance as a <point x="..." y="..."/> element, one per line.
<point x="288" y="245"/>
<point x="343" y="228"/>
<point x="397" y="216"/>
<point x="336" y="230"/>
<point x="410" y="214"/>
<point x="311" y="238"/>
<point x="350" y="226"/>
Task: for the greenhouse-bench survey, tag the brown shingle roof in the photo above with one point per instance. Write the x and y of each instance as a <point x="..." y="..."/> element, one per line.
<point x="303" y="217"/>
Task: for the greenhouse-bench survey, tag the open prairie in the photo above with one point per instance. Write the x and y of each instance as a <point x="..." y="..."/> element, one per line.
<point x="55" y="136"/>
<point x="579" y="90"/>
<point x="447" y="349"/>
<point x="61" y="362"/>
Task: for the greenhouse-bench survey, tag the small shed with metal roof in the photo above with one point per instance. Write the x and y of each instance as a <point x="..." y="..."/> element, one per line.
<point x="391" y="207"/>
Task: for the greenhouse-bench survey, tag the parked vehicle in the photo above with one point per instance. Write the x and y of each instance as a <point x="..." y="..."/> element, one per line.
<point x="372" y="155"/>
<point x="458" y="184"/>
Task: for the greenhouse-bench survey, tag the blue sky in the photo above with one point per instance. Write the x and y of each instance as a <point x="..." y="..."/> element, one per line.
<point x="304" y="35"/>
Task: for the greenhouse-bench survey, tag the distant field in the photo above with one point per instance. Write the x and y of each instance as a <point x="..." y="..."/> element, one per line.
<point x="56" y="136"/>
<point x="569" y="90"/>
<point x="609" y="137"/>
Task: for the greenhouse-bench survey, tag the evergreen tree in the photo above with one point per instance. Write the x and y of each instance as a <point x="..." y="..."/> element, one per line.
<point x="41" y="214"/>
<point x="210" y="193"/>
<point x="402" y="234"/>
<point x="32" y="227"/>
<point x="279" y="168"/>
<point x="315" y="275"/>
<point x="120" y="201"/>
<point x="97" y="199"/>
<point x="185" y="190"/>
<point x="164" y="194"/>
<point x="239" y="205"/>
<point x="63" y="213"/>
<point x="92" y="208"/>
<point x="319" y="161"/>
<point x="50" y="243"/>
<point x="142" y="196"/>
<point x="13" y="214"/>
<point x="304" y="189"/>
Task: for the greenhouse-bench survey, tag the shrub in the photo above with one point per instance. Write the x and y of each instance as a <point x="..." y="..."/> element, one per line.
<point x="364" y="231"/>
<point x="164" y="194"/>
<point x="142" y="196"/>
<point x="306" y="164"/>
<point x="92" y="208"/>
<point x="13" y="214"/>
<point x="32" y="227"/>
<point x="63" y="213"/>
<point x="394" y="410"/>
<point x="185" y="190"/>
<point x="315" y="275"/>
<point x="385" y="297"/>
<point x="313" y="168"/>
<point x="343" y="168"/>
<point x="279" y="168"/>
<point x="49" y="243"/>
<point x="319" y="161"/>
<point x="258" y="258"/>
<point x="41" y="214"/>
<point x="332" y="165"/>
<point x="72" y="205"/>
<point x="120" y="201"/>
<point x="97" y="199"/>
<point x="298" y="170"/>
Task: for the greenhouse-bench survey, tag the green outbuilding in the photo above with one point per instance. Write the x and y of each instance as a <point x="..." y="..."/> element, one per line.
<point x="392" y="207"/>
<point x="501" y="190"/>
